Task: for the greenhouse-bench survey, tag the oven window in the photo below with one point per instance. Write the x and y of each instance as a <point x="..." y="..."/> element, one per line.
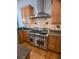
<point x="40" y="42"/>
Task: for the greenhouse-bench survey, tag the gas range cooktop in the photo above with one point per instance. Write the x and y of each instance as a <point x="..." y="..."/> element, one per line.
<point x="40" y="32"/>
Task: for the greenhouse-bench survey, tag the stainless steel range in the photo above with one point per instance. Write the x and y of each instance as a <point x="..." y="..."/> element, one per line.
<point x="38" y="37"/>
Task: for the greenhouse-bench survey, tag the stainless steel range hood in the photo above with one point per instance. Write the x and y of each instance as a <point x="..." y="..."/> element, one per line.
<point x="40" y="8"/>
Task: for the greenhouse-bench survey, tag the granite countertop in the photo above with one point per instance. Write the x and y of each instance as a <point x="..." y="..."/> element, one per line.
<point x="51" y="32"/>
<point x="23" y="29"/>
<point x="54" y="33"/>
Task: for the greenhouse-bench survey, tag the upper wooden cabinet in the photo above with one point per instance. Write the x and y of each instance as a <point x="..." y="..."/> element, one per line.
<point x="56" y="11"/>
<point x="27" y="11"/>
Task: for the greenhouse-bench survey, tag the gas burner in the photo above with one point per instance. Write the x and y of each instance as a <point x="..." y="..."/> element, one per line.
<point x="38" y="31"/>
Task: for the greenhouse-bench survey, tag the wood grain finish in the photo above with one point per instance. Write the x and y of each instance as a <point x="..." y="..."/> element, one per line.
<point x="37" y="53"/>
<point x="54" y="43"/>
<point x="26" y="37"/>
<point x="58" y="44"/>
<point x="27" y="11"/>
<point x="51" y="43"/>
<point x="23" y="37"/>
<point x="56" y="11"/>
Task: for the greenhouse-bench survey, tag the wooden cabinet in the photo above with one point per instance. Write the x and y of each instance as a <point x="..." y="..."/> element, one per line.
<point x="54" y="43"/>
<point x="51" y="43"/>
<point x="27" y="11"/>
<point x="58" y="44"/>
<point x="23" y="37"/>
<point x="26" y="37"/>
<point x="56" y="12"/>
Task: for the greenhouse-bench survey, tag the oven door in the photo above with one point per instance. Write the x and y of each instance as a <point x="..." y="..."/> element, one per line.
<point x="42" y="42"/>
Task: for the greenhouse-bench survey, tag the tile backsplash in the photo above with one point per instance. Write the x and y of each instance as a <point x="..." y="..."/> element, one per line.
<point x="41" y="23"/>
<point x="45" y="24"/>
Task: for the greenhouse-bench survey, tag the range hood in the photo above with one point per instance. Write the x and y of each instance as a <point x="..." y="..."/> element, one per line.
<point x="40" y="8"/>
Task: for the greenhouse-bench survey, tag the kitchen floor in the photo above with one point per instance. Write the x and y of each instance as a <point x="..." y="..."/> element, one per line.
<point x="37" y="53"/>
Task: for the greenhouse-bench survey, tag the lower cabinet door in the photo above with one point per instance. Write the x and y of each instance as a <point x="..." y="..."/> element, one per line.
<point x="54" y="43"/>
<point x="21" y="37"/>
<point x="26" y="38"/>
<point x="51" y="43"/>
<point x="58" y="44"/>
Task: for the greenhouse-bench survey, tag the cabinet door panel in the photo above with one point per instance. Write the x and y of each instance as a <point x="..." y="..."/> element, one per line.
<point x="56" y="11"/>
<point x="21" y="36"/>
<point x="54" y="43"/>
<point x="51" y="43"/>
<point x="58" y="44"/>
<point x="26" y="38"/>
